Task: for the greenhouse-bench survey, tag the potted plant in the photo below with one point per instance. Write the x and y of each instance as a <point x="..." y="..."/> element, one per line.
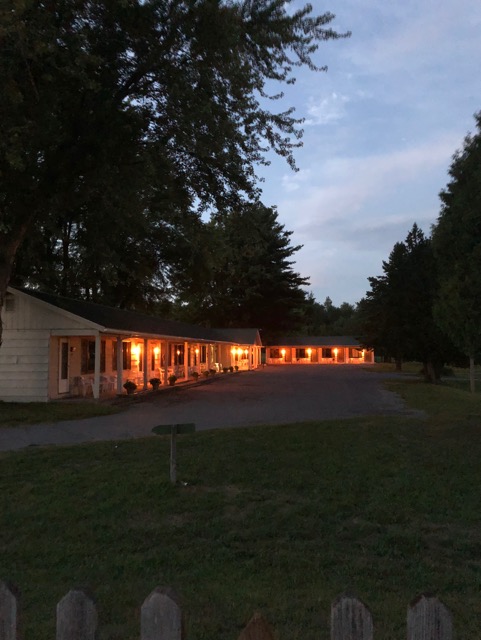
<point x="195" y="375"/>
<point x="206" y="373"/>
<point x="213" y="371"/>
<point x="172" y="380"/>
<point x="130" y="386"/>
<point x="155" y="382"/>
<point x="236" y="367"/>
<point x="231" y="369"/>
<point x="225" y="369"/>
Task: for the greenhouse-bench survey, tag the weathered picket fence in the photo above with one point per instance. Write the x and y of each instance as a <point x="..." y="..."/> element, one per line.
<point x="161" y="619"/>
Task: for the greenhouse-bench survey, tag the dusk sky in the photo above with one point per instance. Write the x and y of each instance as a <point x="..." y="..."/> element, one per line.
<point x="381" y="128"/>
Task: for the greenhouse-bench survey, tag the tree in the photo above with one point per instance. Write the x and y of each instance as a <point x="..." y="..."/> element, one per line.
<point x="397" y="313"/>
<point x="178" y="82"/>
<point x="328" y="320"/>
<point x="457" y="247"/>
<point x="248" y="277"/>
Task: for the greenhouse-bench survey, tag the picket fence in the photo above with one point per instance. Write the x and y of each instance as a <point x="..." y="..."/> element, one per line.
<point x="161" y="618"/>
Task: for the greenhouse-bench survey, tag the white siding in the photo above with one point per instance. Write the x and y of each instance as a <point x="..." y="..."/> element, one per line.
<point x="28" y="313"/>
<point x="24" y="366"/>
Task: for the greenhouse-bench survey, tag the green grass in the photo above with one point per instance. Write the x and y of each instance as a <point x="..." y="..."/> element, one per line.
<point x="277" y="519"/>
<point x="15" y="413"/>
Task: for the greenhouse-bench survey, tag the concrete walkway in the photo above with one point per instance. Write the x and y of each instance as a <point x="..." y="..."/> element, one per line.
<point x="273" y="395"/>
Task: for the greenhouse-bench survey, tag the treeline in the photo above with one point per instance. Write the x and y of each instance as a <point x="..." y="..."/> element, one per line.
<point x="426" y="305"/>
<point x="125" y="126"/>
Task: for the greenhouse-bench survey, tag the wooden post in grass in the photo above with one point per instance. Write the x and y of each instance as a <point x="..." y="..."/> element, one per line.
<point x="173" y="429"/>
<point x="350" y="619"/>
<point x="8" y="614"/>
<point x="428" y="619"/>
<point x="76" y="617"/>
<point x="161" y="616"/>
<point x="257" y="629"/>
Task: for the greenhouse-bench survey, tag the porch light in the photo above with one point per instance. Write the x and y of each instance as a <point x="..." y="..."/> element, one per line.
<point x="233" y="351"/>
<point x="309" y="351"/>
<point x="335" y="351"/>
<point x="239" y="351"/>
<point x="136" y="350"/>
<point x="156" y="351"/>
<point x="283" y="353"/>
<point x="197" y="351"/>
<point x="178" y="352"/>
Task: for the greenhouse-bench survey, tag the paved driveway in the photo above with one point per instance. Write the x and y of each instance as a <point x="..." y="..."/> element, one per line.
<point x="271" y="395"/>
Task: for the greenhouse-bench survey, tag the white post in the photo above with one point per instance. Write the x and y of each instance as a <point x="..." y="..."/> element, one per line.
<point x="119" y="365"/>
<point x="145" y="357"/>
<point x="165" y="348"/>
<point x="96" y="388"/>
<point x="186" y="360"/>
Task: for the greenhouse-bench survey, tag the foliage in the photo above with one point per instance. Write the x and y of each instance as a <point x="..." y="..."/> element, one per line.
<point x="397" y="313"/>
<point x="248" y="279"/>
<point x="129" y="385"/>
<point x="457" y="247"/>
<point x="118" y="117"/>
<point x="328" y="320"/>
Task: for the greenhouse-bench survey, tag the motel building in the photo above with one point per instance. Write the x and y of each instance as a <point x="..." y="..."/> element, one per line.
<point x="330" y="350"/>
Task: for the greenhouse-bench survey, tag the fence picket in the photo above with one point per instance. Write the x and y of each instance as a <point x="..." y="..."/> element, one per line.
<point x="161" y="616"/>
<point x="8" y="614"/>
<point x="429" y="619"/>
<point x="350" y="619"/>
<point x="257" y="629"/>
<point x="76" y="617"/>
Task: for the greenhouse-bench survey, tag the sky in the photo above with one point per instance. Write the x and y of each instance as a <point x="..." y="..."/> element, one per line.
<point x="381" y="127"/>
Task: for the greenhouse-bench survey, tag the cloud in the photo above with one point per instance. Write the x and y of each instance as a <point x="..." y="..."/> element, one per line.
<point x="325" y="110"/>
<point x="293" y="181"/>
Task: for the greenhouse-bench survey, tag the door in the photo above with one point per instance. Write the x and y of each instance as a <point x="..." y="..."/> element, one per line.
<point x="63" y="385"/>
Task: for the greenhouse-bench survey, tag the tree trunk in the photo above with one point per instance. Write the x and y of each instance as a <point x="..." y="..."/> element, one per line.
<point x="472" y="385"/>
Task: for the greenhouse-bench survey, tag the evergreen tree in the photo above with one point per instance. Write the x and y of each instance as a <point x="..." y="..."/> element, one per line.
<point x="397" y="313"/>
<point x="457" y="247"/>
<point x="248" y="278"/>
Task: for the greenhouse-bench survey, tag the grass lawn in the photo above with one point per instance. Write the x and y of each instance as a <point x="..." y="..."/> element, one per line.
<point x="15" y="413"/>
<point x="277" y="519"/>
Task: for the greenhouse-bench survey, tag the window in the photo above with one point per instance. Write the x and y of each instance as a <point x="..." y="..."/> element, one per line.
<point x="327" y="352"/>
<point x="152" y="359"/>
<point x="87" y="357"/>
<point x="275" y="353"/>
<point x="203" y="353"/>
<point x="178" y="354"/>
<point x="355" y="353"/>
<point x="301" y="353"/>
<point x="9" y="302"/>
<point x="126" y="355"/>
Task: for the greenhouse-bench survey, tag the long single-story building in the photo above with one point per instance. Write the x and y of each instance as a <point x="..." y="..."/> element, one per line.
<point x="318" y="350"/>
<point x="55" y="347"/>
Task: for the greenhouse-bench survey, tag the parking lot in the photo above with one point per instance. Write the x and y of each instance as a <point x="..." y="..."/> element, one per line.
<point x="271" y="395"/>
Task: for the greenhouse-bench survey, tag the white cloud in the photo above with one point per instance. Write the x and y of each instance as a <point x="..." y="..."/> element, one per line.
<point x="326" y="110"/>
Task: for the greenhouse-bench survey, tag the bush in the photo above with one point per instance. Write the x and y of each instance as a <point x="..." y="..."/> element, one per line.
<point x="206" y="373"/>
<point x="172" y="380"/>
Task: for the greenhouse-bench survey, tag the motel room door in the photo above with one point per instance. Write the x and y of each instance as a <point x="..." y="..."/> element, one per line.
<point x="63" y="386"/>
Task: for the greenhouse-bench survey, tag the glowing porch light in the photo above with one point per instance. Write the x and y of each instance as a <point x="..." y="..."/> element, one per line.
<point x="239" y="351"/>
<point x="197" y="351"/>
<point x="178" y="352"/>
<point x="233" y="351"/>
<point x="136" y="350"/>
<point x="309" y="351"/>
<point x="283" y="353"/>
<point x="335" y="352"/>
<point x="156" y="351"/>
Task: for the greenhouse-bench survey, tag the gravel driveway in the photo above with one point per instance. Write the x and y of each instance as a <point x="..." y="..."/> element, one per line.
<point x="272" y="395"/>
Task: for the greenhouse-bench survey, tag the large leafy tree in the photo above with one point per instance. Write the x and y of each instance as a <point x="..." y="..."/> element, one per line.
<point x="397" y="313"/>
<point x="247" y="278"/>
<point x="91" y="90"/>
<point x="457" y="247"/>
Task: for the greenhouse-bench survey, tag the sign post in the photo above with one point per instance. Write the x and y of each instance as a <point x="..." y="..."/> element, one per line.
<point x="173" y="429"/>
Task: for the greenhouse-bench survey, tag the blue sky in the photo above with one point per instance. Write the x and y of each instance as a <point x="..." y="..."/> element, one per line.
<point x="381" y="128"/>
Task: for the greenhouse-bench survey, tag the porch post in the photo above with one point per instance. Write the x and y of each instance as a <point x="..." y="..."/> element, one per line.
<point x="165" y="347"/>
<point x="209" y="360"/>
<point x="145" y="358"/>
<point x="249" y="355"/>
<point x="119" y="365"/>
<point x="186" y="360"/>
<point x="96" y="388"/>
